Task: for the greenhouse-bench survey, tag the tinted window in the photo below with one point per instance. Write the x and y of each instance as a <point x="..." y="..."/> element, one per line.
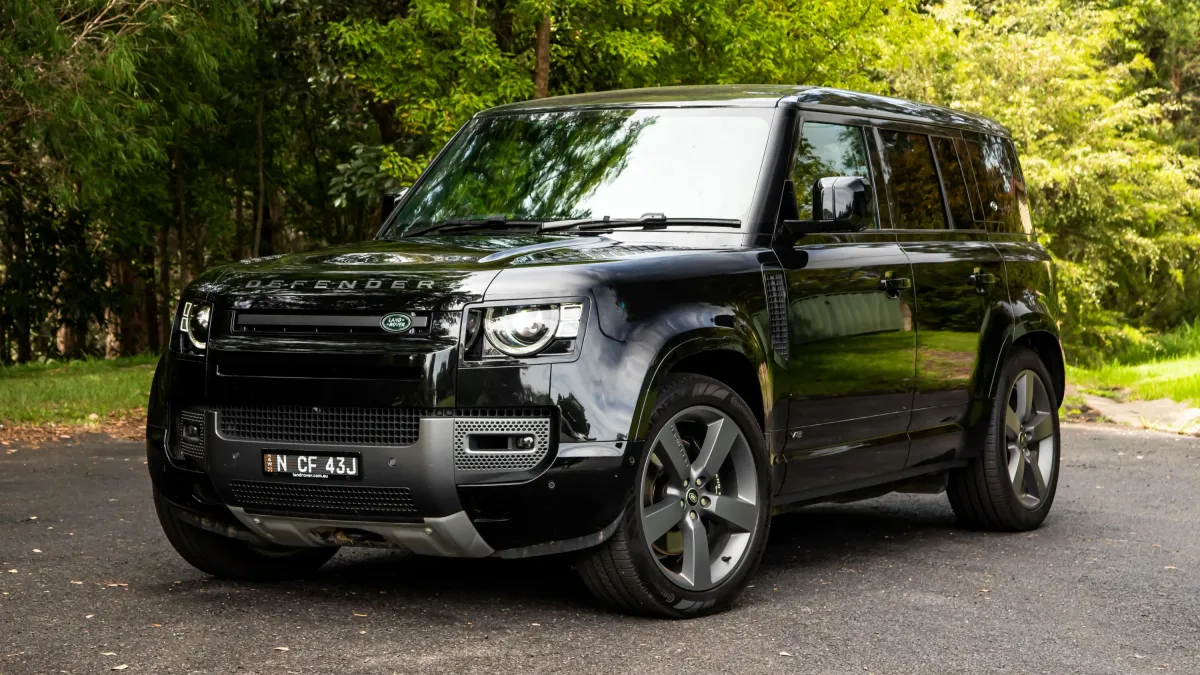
<point x="1024" y="220"/>
<point x="954" y="182"/>
<point x="911" y="179"/>
<point x="829" y="150"/>
<point x="995" y="179"/>
<point x="591" y="164"/>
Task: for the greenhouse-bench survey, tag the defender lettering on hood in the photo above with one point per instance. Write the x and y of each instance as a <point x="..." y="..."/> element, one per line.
<point x="344" y="284"/>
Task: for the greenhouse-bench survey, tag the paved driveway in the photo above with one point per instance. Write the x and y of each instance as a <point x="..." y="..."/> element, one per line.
<point x="1108" y="585"/>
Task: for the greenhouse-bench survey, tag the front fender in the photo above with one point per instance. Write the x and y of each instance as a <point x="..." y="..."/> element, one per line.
<point x="607" y="394"/>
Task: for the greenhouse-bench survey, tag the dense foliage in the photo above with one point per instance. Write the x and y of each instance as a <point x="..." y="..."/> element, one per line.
<point x="143" y="140"/>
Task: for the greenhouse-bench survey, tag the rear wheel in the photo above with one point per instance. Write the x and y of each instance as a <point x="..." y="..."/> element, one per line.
<point x="1011" y="484"/>
<point x="228" y="558"/>
<point x="696" y="524"/>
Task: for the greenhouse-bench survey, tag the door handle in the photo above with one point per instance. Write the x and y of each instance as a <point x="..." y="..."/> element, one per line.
<point x="893" y="286"/>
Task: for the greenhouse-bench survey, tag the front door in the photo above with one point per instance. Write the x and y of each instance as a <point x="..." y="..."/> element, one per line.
<point x="959" y="278"/>
<point x="851" y="350"/>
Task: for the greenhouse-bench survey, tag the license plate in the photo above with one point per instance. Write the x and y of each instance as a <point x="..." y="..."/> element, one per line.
<point x="320" y="466"/>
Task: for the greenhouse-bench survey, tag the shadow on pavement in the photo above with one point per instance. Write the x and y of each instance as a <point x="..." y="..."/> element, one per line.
<point x="801" y="545"/>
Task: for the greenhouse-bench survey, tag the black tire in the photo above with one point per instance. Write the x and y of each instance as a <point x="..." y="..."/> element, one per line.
<point x="982" y="493"/>
<point x="228" y="558"/>
<point x="623" y="571"/>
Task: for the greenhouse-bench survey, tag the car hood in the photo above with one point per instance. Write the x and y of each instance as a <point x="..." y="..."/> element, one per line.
<point x="422" y="273"/>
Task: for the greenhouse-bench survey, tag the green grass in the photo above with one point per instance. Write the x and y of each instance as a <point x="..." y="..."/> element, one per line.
<point x="1175" y="378"/>
<point x="68" y="392"/>
<point x="1166" y="366"/>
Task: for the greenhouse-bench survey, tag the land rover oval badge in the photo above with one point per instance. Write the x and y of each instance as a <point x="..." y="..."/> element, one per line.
<point x="396" y="323"/>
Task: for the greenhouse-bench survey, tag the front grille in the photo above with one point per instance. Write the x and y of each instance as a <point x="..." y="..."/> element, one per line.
<point x="466" y="459"/>
<point x="329" y="426"/>
<point x="323" y="499"/>
<point x="777" y="311"/>
<point x="192" y="448"/>
<point x="246" y="322"/>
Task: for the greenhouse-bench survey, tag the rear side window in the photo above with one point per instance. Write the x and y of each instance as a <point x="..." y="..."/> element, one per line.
<point x="912" y="181"/>
<point x="1024" y="220"/>
<point x="992" y="162"/>
<point x="827" y="151"/>
<point x="954" y="182"/>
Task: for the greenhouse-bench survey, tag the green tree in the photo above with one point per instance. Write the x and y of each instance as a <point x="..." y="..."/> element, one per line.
<point x="1117" y="207"/>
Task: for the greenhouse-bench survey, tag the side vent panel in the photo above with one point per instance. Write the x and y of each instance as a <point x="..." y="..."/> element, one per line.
<point x="777" y="310"/>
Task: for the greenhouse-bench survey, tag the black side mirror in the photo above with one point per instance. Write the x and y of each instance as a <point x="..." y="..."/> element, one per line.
<point x="390" y="199"/>
<point x="840" y="198"/>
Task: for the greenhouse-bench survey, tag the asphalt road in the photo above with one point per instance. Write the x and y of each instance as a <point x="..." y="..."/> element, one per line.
<point x="1108" y="585"/>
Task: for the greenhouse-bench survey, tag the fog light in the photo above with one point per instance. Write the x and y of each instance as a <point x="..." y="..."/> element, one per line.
<point x="525" y="442"/>
<point x="192" y="432"/>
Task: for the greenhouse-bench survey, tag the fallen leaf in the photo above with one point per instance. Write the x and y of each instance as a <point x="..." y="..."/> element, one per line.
<point x="33" y="517"/>
<point x="156" y="625"/>
<point x="77" y="583"/>
<point x="281" y="649"/>
<point x="1170" y="567"/>
<point x="535" y="624"/>
<point x="37" y="550"/>
<point x="89" y="616"/>
<point x="12" y="571"/>
<point x="362" y="632"/>
<point x="357" y="614"/>
<point x="786" y="654"/>
<point x="108" y="653"/>
<point x="120" y="667"/>
<point x="114" y="584"/>
<point x="985" y="590"/>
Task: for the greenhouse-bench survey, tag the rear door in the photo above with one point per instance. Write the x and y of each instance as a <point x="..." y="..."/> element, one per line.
<point x="851" y="351"/>
<point x="959" y="280"/>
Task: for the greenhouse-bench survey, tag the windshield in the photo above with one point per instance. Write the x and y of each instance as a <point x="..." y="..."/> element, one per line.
<point x="623" y="164"/>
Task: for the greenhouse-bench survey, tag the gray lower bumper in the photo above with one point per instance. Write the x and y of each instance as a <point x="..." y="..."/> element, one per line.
<point x="452" y="536"/>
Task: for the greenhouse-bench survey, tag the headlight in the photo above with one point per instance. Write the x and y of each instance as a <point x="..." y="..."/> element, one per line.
<point x="527" y="330"/>
<point x="194" y="323"/>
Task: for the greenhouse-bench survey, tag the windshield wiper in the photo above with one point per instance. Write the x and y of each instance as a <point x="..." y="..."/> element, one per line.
<point x="649" y="221"/>
<point x="466" y="224"/>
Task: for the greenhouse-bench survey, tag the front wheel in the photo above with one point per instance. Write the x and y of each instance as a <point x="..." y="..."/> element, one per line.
<point x="696" y="525"/>
<point x="1011" y="484"/>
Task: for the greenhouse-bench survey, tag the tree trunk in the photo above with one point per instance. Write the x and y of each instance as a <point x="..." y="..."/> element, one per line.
<point x="126" y="314"/>
<point x="15" y="207"/>
<point x="185" y="273"/>
<point x="239" y="226"/>
<point x="262" y="188"/>
<point x="164" y="284"/>
<point x="541" y="71"/>
<point x="150" y="307"/>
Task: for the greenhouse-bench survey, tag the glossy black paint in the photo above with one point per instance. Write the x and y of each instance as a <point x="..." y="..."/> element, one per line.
<point x="879" y="380"/>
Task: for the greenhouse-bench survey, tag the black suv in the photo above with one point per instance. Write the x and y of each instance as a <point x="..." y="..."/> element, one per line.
<point x="631" y="325"/>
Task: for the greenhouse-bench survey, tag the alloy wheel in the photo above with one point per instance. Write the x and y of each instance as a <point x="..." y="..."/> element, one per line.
<point x="699" y="498"/>
<point x="1029" y="436"/>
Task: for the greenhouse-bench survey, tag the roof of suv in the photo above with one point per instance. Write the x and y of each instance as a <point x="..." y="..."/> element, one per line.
<point x="762" y="96"/>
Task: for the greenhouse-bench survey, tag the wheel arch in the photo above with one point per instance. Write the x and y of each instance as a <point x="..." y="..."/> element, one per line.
<point x="723" y="355"/>
<point x="1048" y="348"/>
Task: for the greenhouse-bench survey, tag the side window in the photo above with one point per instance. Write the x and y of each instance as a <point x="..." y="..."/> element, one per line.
<point x="954" y="182"/>
<point x="1024" y="220"/>
<point x="912" y="181"/>
<point x="825" y="151"/>
<point x="996" y="181"/>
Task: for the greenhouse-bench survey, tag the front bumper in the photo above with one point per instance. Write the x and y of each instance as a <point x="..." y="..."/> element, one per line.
<point x="429" y="497"/>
